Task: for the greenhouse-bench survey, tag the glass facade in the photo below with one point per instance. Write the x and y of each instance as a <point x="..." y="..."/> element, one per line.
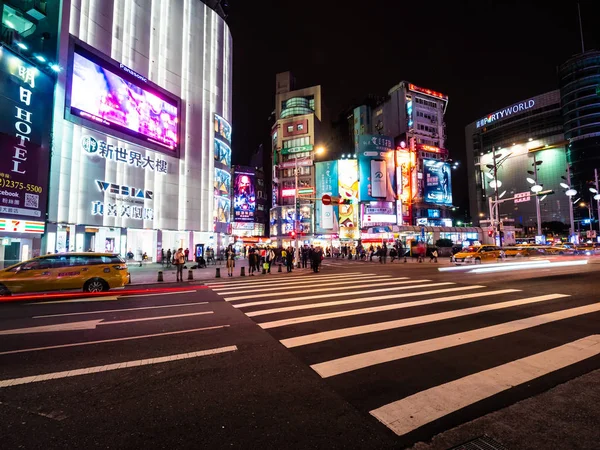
<point x="297" y="106"/>
<point x="579" y="79"/>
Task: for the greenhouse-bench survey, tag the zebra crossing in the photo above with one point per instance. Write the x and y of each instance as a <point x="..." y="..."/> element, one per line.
<point x="414" y="352"/>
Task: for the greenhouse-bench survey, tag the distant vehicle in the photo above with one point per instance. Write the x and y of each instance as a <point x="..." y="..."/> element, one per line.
<point x="92" y="272"/>
<point x="475" y="255"/>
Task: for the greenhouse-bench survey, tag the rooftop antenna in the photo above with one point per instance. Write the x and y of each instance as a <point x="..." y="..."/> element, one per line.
<point x="580" y="28"/>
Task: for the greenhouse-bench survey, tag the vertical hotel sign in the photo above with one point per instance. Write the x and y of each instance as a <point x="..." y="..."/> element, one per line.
<point x="25" y="121"/>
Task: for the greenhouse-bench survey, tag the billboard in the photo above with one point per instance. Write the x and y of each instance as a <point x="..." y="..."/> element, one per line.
<point x="348" y="190"/>
<point x="110" y="97"/>
<point x="326" y="178"/>
<point x="26" y="116"/>
<point x="222" y="209"/>
<point x="244" y="197"/>
<point x="222" y="182"/>
<point x="437" y="187"/>
<point x="222" y="129"/>
<point x="222" y="153"/>
<point x="376" y="168"/>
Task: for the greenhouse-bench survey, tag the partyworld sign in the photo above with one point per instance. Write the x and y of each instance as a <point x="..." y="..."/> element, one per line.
<point x="506" y="112"/>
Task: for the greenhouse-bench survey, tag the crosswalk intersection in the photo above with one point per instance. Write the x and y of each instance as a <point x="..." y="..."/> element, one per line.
<point x="415" y="352"/>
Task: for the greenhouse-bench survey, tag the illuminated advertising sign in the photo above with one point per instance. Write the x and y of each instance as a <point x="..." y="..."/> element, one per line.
<point x="222" y="130"/>
<point x="109" y="97"/>
<point x="326" y="179"/>
<point x="222" y="183"/>
<point x="222" y="153"/>
<point x="414" y="88"/>
<point x="244" y="197"/>
<point x="376" y="168"/>
<point x="506" y="112"/>
<point x="348" y="191"/>
<point x="437" y="186"/>
<point x="25" y="118"/>
<point x="222" y="209"/>
<point x="99" y="147"/>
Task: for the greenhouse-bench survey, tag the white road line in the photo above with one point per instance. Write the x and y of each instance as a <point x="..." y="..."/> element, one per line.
<point x="283" y="277"/>
<point x="354" y="362"/>
<point x="109" y="367"/>
<point x="372" y="309"/>
<point x="400" y="323"/>
<point x="78" y="344"/>
<point x="143" y="319"/>
<point x="286" y="291"/>
<point x="339" y="294"/>
<point x="77" y="300"/>
<point x="119" y="310"/>
<point x="158" y="293"/>
<point x="279" y="279"/>
<point x="296" y="285"/>
<point x="410" y="413"/>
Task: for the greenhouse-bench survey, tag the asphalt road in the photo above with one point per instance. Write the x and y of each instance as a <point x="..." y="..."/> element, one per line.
<point x="358" y="356"/>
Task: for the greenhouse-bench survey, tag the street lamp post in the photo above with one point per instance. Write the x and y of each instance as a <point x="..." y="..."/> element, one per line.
<point x="538" y="213"/>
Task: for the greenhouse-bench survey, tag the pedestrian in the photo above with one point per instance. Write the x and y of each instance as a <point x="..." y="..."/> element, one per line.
<point x="179" y="261"/>
<point x="230" y="256"/>
<point x="162" y="256"/>
<point x="289" y="259"/>
<point x="169" y="254"/>
<point x="393" y="253"/>
<point x="186" y="252"/>
<point x="317" y="256"/>
<point x="305" y="254"/>
<point x="434" y="255"/>
<point x="270" y="258"/>
<point x="252" y="261"/>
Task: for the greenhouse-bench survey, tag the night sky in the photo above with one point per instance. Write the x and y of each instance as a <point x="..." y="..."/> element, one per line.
<point x="483" y="54"/>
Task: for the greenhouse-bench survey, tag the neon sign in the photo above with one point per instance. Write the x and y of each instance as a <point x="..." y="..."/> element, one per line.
<point x="119" y="154"/>
<point x="414" y="88"/>
<point x="503" y="113"/>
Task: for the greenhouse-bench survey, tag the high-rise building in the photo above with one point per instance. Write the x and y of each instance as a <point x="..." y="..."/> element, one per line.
<point x="526" y="143"/>
<point x="295" y="137"/>
<point x="579" y="82"/>
<point x="141" y="156"/>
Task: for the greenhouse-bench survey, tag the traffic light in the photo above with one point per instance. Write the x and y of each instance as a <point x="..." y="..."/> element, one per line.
<point x="297" y="204"/>
<point x="292" y="234"/>
<point x="490" y="233"/>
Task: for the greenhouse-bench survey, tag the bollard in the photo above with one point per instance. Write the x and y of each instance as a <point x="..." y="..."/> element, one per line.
<point x="218" y="274"/>
<point x="190" y="275"/>
<point x="243" y="272"/>
<point x="405" y="259"/>
<point x="299" y="265"/>
<point x="129" y="275"/>
<point x="160" y="276"/>
<point x="279" y="268"/>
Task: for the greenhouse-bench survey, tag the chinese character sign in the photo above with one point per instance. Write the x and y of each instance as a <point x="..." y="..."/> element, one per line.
<point x="25" y="117"/>
<point x="437" y="187"/>
<point x="102" y="149"/>
<point x="244" y="197"/>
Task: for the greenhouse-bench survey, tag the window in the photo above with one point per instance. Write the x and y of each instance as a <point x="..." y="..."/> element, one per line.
<point x="300" y="127"/>
<point x="290" y="128"/>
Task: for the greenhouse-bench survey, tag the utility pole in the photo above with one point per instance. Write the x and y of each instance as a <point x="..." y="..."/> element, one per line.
<point x="572" y="230"/>
<point x="537" y="199"/>
<point x="497" y="215"/>
<point x="597" y="197"/>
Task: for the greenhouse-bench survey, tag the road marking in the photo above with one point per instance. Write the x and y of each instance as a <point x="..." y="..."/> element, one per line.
<point x="109" y="367"/>
<point x="502" y="264"/>
<point x="77" y="344"/>
<point x="372" y="309"/>
<point x="343" y="302"/>
<point x="307" y="291"/>
<point x="120" y="310"/>
<point x="354" y="362"/>
<point x="410" y="413"/>
<point x="334" y="294"/>
<point x="285" y="279"/>
<point x="77" y="300"/>
<point x="394" y="324"/>
<point x="296" y="285"/>
<point x="158" y="293"/>
<point x="531" y="266"/>
<point x="90" y="324"/>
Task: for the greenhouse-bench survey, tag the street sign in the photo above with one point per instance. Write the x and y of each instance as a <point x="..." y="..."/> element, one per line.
<point x="326" y="199"/>
<point x="522" y="197"/>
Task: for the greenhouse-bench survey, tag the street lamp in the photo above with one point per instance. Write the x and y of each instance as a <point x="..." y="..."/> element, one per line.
<point x="570" y="192"/>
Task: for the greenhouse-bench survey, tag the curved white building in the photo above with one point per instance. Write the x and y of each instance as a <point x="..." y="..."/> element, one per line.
<point x="143" y="95"/>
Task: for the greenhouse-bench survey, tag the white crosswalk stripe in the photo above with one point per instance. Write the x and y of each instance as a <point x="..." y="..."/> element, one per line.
<point x="353" y="323"/>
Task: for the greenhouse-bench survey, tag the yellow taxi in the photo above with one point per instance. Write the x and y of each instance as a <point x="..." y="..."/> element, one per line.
<point x="475" y="255"/>
<point x="92" y="272"/>
<point x="524" y="250"/>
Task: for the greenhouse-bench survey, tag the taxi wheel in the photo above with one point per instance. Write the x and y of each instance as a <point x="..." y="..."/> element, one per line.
<point x="477" y="260"/>
<point x="95" y="285"/>
<point x="4" y="290"/>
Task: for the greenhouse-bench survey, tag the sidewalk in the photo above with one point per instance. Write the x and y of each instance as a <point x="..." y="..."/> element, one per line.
<point x="148" y="273"/>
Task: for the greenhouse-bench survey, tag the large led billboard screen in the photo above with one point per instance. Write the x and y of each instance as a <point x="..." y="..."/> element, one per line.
<point x="437" y="185"/>
<point x="112" y="98"/>
<point x="244" y="197"/>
